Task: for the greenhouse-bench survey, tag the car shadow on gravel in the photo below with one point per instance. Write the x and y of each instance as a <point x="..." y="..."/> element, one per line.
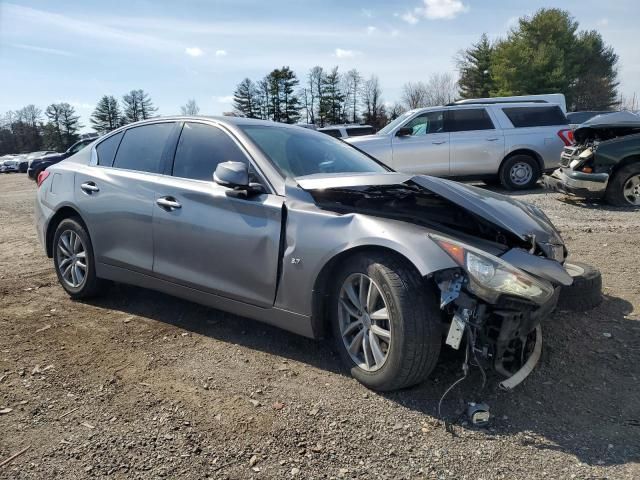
<point x="582" y="398"/>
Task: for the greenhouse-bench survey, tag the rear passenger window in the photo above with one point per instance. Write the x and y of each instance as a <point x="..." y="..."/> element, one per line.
<point x="464" y="120"/>
<point x="141" y="148"/>
<point x="106" y="150"/>
<point x="332" y="133"/>
<point x="201" y="148"/>
<point x="357" y="131"/>
<point x="535" y="116"/>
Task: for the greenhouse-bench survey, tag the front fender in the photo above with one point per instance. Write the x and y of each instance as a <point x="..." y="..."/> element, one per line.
<point x="315" y="237"/>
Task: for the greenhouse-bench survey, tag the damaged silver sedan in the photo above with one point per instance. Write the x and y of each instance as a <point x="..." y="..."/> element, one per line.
<point x="299" y="230"/>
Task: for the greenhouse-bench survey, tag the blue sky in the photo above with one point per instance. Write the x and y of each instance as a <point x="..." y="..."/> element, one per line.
<point x="78" y="51"/>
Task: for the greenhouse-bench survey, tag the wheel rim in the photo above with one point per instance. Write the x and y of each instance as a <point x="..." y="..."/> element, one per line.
<point x="631" y="190"/>
<point x="364" y="322"/>
<point x="72" y="259"/>
<point x="521" y="173"/>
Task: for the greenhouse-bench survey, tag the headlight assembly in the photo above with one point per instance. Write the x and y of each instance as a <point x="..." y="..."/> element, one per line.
<point x="490" y="276"/>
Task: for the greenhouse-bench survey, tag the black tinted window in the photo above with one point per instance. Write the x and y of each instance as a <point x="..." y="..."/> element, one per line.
<point x="201" y="148"/>
<point x="464" y="120"/>
<point x="141" y="148"/>
<point x="535" y="116"/>
<point x="106" y="149"/>
<point x="332" y="133"/>
<point x="355" y="131"/>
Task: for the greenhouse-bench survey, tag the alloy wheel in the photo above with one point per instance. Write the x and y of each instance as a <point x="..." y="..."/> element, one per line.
<point x="631" y="190"/>
<point x="364" y="321"/>
<point x="521" y="173"/>
<point x="72" y="259"/>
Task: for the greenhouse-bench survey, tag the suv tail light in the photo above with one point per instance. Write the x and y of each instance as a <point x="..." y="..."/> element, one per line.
<point x="566" y="135"/>
<point x="42" y="176"/>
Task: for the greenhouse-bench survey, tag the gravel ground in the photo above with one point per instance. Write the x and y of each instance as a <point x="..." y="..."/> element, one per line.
<point x="142" y="385"/>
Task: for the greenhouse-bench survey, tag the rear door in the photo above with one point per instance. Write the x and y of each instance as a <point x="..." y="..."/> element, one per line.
<point x="477" y="146"/>
<point x="214" y="239"/>
<point x="116" y="194"/>
<point x="426" y="150"/>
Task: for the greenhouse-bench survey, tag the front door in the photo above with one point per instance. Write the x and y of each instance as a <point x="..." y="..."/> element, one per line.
<point x="426" y="150"/>
<point x="205" y="235"/>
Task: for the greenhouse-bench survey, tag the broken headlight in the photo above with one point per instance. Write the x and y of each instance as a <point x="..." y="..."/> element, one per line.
<point x="490" y="276"/>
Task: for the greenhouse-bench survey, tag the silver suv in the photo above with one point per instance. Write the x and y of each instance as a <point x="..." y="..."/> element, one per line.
<point x="508" y="143"/>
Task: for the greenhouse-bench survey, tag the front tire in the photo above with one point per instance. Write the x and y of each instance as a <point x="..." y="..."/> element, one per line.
<point x="624" y="188"/>
<point x="74" y="260"/>
<point x="519" y="172"/>
<point x="385" y="321"/>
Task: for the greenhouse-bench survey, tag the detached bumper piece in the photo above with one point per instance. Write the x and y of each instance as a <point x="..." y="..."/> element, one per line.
<point x="580" y="184"/>
<point x="505" y="337"/>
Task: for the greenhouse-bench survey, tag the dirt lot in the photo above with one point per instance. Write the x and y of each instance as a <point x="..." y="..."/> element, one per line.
<point x="142" y="385"/>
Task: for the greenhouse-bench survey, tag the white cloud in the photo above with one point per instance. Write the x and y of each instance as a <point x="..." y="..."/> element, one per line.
<point x="223" y="99"/>
<point x="51" y="51"/>
<point x="221" y="53"/>
<point x="367" y="13"/>
<point x="371" y="30"/>
<point x="436" y="9"/>
<point x="342" y="53"/>
<point x="409" y="17"/>
<point x="193" y="51"/>
<point x="604" y="22"/>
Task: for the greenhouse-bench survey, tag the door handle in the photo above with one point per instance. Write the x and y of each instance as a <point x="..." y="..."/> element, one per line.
<point x="89" y="187"/>
<point x="439" y="142"/>
<point x="492" y="139"/>
<point x="168" y="203"/>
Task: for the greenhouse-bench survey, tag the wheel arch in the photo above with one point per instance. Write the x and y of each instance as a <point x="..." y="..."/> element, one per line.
<point x="631" y="159"/>
<point x="321" y="289"/>
<point x="61" y="214"/>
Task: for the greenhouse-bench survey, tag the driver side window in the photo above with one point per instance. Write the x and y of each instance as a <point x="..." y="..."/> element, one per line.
<point x="201" y="148"/>
<point x="430" y="122"/>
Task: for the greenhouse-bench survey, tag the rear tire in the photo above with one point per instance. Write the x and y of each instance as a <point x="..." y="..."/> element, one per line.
<point x="586" y="291"/>
<point x="624" y="179"/>
<point x="406" y="334"/>
<point x="519" y="172"/>
<point x="74" y="260"/>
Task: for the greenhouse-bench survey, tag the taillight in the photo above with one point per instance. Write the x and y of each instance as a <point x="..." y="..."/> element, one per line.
<point x="42" y="176"/>
<point x="566" y="135"/>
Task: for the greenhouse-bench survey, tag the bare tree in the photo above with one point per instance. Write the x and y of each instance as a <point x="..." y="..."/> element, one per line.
<point x="374" y="113"/>
<point x="441" y="88"/>
<point x="353" y="81"/>
<point x="314" y="81"/>
<point x="396" y="110"/>
<point x="415" y="95"/>
<point x="190" y="108"/>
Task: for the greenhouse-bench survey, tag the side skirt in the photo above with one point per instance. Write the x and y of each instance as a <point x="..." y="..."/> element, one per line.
<point x="290" y="321"/>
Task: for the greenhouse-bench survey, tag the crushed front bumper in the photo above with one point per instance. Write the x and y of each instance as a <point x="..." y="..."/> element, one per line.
<point x="580" y="184"/>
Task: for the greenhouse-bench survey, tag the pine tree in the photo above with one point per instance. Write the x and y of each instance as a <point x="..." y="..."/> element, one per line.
<point x="474" y="65"/>
<point x="107" y="115"/>
<point x="332" y="97"/>
<point x="246" y="99"/>
<point x="61" y="131"/>
<point x="137" y="106"/>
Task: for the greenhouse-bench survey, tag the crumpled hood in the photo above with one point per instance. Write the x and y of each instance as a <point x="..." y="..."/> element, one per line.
<point x="525" y="221"/>
<point x="608" y="126"/>
<point x="522" y="219"/>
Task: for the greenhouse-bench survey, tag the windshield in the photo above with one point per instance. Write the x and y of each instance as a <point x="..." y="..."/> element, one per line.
<point x="395" y="123"/>
<point x="298" y="152"/>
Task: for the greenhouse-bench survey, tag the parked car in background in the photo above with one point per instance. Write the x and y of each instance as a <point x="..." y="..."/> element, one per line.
<point x="604" y="162"/>
<point x="310" y="235"/>
<point x="346" y="131"/>
<point x="8" y="163"/>
<point x="577" y="118"/>
<point x="507" y="143"/>
<point x="39" y="163"/>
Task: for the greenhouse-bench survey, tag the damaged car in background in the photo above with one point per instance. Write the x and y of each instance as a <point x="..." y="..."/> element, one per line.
<point x="604" y="163"/>
<point x="299" y="230"/>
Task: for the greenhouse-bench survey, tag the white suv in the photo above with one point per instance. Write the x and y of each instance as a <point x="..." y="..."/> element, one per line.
<point x="510" y="143"/>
